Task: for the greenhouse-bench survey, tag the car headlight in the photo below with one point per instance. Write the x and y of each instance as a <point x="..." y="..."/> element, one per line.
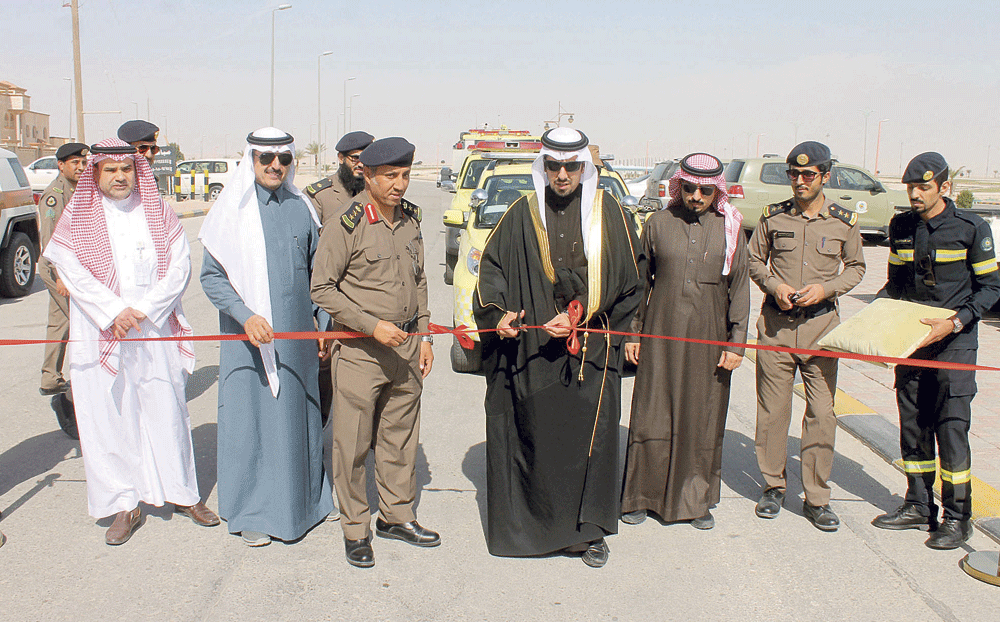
<point x="472" y="261"/>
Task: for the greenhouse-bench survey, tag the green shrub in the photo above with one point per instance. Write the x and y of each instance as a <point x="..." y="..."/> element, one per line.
<point x="964" y="199"/>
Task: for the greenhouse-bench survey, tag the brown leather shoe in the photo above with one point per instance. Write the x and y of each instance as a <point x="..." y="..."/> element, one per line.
<point x="199" y="513"/>
<point x="121" y="530"/>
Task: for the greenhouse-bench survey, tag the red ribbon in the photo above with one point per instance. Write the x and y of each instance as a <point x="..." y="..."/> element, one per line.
<point x="575" y="313"/>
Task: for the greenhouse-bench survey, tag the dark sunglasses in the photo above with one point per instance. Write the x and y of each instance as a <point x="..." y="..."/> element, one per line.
<point x="154" y="149"/>
<point x="284" y="159"/>
<point x="807" y="176"/>
<point x="927" y="267"/>
<point x="553" y="166"/>
<point x="353" y="159"/>
<point x="706" y="191"/>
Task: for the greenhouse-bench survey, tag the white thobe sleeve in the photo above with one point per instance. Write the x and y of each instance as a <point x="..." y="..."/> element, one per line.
<point x="157" y="303"/>
<point x="98" y="302"/>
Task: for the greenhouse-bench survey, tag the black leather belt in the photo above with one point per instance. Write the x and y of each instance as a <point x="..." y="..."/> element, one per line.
<point x="408" y="326"/>
<point x="811" y="311"/>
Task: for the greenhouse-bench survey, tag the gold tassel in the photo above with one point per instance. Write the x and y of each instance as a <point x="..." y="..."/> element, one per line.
<point x="583" y="356"/>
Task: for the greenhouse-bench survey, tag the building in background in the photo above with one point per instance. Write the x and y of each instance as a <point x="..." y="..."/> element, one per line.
<point x="22" y="130"/>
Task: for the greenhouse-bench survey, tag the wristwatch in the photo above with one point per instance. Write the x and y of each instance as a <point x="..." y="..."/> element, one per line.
<point x="428" y="338"/>
<point x="958" y="325"/>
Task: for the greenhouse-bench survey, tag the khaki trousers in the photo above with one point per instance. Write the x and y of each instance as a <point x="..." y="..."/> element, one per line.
<point x="377" y="403"/>
<point x="58" y="328"/>
<point x="775" y="375"/>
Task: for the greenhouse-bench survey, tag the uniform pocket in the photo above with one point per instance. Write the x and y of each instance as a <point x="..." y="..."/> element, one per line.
<point x="784" y="244"/>
<point x="830" y="248"/>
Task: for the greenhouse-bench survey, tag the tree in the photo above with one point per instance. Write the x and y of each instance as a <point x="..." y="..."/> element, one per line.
<point x="177" y="150"/>
<point x="312" y="149"/>
<point x="964" y="199"/>
<point x="954" y="174"/>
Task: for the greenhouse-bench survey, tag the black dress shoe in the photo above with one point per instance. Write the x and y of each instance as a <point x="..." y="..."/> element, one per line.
<point x="410" y="532"/>
<point x="950" y="534"/>
<point x="906" y="516"/>
<point x="359" y="552"/>
<point x="634" y="518"/>
<point x="821" y="516"/>
<point x="770" y="503"/>
<point x="596" y="554"/>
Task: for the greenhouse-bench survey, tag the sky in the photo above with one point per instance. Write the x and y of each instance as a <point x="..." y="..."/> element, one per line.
<point x="661" y="78"/>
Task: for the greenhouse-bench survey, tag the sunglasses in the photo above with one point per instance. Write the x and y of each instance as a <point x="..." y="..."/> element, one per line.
<point x="553" y="166"/>
<point x="284" y="159"/>
<point x="706" y="191"/>
<point x="353" y="159"/>
<point x="926" y="266"/>
<point x="807" y="176"/>
<point x="154" y="149"/>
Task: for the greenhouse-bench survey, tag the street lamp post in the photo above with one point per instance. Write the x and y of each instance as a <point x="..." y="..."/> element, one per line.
<point x="350" y="112"/>
<point x="280" y="7"/>
<point x="69" y="134"/>
<point x="758" y="144"/>
<point x="319" y="108"/>
<point x="878" y="144"/>
<point x="864" y="147"/>
<point x="136" y="104"/>
<point x="559" y="115"/>
<point x="344" y="111"/>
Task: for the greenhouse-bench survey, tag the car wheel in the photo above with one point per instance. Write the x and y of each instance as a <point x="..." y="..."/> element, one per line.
<point x="466" y="361"/>
<point x="17" y="262"/>
<point x="213" y="192"/>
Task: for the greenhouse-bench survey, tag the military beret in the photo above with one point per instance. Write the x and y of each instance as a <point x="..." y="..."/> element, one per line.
<point x="134" y="131"/>
<point x="564" y="139"/>
<point x="352" y="141"/>
<point x="924" y="168"/>
<point x="72" y="149"/>
<point x="393" y="151"/>
<point x="809" y="153"/>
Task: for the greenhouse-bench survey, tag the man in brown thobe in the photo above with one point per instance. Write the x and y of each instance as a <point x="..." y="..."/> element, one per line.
<point x="796" y="254"/>
<point x="696" y="287"/>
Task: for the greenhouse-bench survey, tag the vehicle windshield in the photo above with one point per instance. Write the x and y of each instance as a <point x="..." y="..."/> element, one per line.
<point x="473" y="172"/>
<point x="503" y="190"/>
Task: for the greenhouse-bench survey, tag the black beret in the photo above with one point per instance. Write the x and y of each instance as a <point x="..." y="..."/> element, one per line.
<point x="697" y="164"/>
<point x="564" y="139"/>
<point x="72" y="149"/>
<point x="393" y="151"/>
<point x="134" y="131"/>
<point x="924" y="168"/>
<point x="352" y="141"/>
<point x="809" y="153"/>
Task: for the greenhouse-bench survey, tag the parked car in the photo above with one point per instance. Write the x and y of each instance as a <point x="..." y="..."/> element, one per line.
<point x="657" y="193"/>
<point x="42" y="172"/>
<point x="219" y="172"/>
<point x="19" y="248"/>
<point x="637" y="187"/>
<point x="446" y="175"/>
<point x="756" y="182"/>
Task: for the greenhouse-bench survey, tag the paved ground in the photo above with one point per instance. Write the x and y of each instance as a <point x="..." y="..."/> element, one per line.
<point x="57" y="567"/>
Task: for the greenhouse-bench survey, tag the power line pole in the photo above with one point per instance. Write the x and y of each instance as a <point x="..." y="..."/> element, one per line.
<point x="77" y="71"/>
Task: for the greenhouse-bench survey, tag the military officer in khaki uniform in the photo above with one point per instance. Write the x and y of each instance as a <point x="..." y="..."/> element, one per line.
<point x="72" y="158"/>
<point x="331" y="193"/>
<point x="796" y="253"/>
<point x="368" y="274"/>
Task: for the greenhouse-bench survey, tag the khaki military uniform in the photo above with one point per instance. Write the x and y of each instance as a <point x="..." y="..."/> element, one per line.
<point x="791" y="248"/>
<point x="328" y="196"/>
<point x="50" y="208"/>
<point x="367" y="269"/>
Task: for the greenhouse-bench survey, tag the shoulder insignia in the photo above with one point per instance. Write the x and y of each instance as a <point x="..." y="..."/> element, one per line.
<point x="314" y="188"/>
<point x="843" y="214"/>
<point x="411" y="210"/>
<point x="51" y="201"/>
<point x="777" y="208"/>
<point x="352" y="216"/>
<point x="59" y="190"/>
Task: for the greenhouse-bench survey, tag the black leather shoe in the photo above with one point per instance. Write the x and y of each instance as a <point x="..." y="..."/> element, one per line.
<point x="704" y="522"/>
<point x="821" y="516"/>
<point x="359" y="552"/>
<point x="410" y="532"/>
<point x="634" y="518"/>
<point x="596" y="554"/>
<point x="770" y="503"/>
<point x="906" y="516"/>
<point x="950" y="534"/>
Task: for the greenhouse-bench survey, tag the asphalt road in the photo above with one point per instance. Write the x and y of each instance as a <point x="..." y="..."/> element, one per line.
<point x="57" y="567"/>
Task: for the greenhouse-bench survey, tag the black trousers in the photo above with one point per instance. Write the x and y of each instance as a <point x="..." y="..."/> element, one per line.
<point x="935" y="407"/>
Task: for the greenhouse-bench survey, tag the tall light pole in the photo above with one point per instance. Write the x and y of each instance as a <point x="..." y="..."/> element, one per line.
<point x="864" y="146"/>
<point x="878" y="144"/>
<point x="758" y="144"/>
<point x="77" y="71"/>
<point x="280" y="7"/>
<point x="319" y="110"/>
<point x="345" y="102"/>
<point x="69" y="133"/>
<point x="350" y="111"/>
<point x="136" y="104"/>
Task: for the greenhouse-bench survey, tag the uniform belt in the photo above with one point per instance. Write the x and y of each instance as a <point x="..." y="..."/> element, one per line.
<point x="408" y="325"/>
<point x="803" y="312"/>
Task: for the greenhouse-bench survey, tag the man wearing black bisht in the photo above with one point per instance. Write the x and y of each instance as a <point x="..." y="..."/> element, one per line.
<point x="552" y="416"/>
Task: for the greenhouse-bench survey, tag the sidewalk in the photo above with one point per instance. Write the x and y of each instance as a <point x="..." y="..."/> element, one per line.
<point x="873" y="418"/>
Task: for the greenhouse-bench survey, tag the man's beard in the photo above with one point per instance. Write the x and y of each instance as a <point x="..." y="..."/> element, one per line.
<point x="353" y="185"/>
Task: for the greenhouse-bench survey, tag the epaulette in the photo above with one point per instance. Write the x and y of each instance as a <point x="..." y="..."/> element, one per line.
<point x="842" y="213"/>
<point x="59" y="190"/>
<point x="778" y="208"/>
<point x="970" y="217"/>
<point x="314" y="188"/>
<point x="352" y="216"/>
<point x="411" y="210"/>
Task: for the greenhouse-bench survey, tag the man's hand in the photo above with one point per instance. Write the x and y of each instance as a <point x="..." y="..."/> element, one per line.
<point x="503" y="327"/>
<point x="388" y="334"/>
<point x="426" y="358"/>
<point x="940" y="328"/>
<point x="129" y="318"/>
<point x="559" y="326"/>
<point x="61" y="288"/>
<point x="325" y="348"/>
<point x="730" y="361"/>
<point x="258" y="330"/>
<point x="632" y="352"/>
<point x="781" y="294"/>
<point x="810" y="295"/>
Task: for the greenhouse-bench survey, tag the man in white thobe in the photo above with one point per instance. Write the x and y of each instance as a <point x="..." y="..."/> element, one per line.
<point x="123" y="256"/>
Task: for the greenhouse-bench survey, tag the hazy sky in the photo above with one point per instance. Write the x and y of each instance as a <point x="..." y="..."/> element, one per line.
<point x="674" y="77"/>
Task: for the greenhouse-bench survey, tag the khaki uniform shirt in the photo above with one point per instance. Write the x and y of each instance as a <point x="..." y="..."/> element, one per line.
<point x="367" y="269"/>
<point x="50" y="209"/>
<point x="328" y="195"/>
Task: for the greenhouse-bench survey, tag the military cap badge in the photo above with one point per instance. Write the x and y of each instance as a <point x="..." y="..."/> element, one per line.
<point x="928" y="175"/>
<point x="802" y="159"/>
